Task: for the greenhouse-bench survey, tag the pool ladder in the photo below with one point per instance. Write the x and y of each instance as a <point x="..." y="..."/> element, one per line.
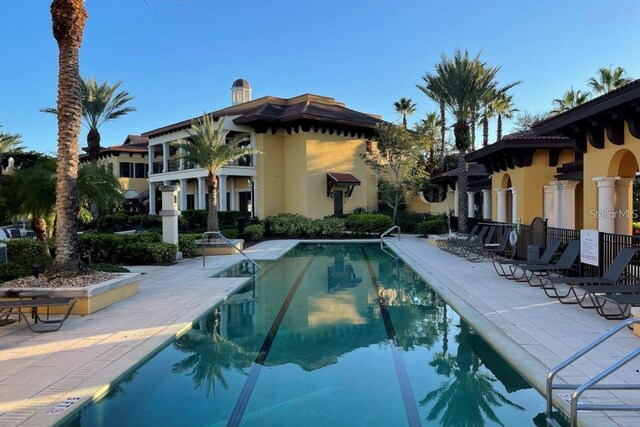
<point x="389" y="231"/>
<point x="229" y="242"/>
<point x="592" y="383"/>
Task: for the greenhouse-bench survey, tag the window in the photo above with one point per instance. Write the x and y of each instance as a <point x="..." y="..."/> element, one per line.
<point x="125" y="170"/>
<point x="191" y="201"/>
<point x="141" y="170"/>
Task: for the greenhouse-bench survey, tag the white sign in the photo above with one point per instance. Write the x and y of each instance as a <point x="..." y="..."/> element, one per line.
<point x="589" y="251"/>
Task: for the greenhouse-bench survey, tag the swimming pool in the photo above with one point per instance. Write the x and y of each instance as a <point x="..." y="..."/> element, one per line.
<point x="330" y="335"/>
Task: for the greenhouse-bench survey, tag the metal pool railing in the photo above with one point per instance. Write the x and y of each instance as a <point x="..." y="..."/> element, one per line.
<point x="229" y="242"/>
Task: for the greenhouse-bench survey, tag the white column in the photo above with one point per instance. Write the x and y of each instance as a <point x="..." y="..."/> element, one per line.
<point x="547" y="204"/>
<point x="151" y="150"/>
<point x="486" y="204"/>
<point x="254" y="197"/>
<point x="455" y="200"/>
<point x="183" y="195"/>
<point x="152" y="198"/>
<point x="202" y="185"/>
<point x="165" y="156"/>
<point x="471" y="210"/>
<point x="624" y="206"/>
<point x="502" y="204"/>
<point x="222" y="192"/>
<point x="557" y="204"/>
<point x="568" y="204"/>
<point x="232" y="195"/>
<point x="514" y="204"/>
<point x="606" y="203"/>
<point x="181" y="160"/>
<point x="451" y="197"/>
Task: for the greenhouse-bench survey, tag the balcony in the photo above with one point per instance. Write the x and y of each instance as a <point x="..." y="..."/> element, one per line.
<point x="173" y="166"/>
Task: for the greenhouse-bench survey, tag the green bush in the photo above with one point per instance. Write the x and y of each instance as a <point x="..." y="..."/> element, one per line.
<point x="187" y="244"/>
<point x="287" y="225"/>
<point x="194" y="219"/>
<point x="254" y="232"/>
<point x="432" y="226"/>
<point x="23" y="256"/>
<point x="366" y="223"/>
<point x="230" y="233"/>
<point x="109" y="268"/>
<point x="331" y="227"/>
<point x="151" y="221"/>
<point x="141" y="248"/>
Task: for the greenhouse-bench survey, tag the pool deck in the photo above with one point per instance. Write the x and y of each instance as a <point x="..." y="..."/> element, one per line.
<point x="40" y="371"/>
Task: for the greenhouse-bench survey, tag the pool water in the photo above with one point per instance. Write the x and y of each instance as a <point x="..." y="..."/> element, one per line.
<point x="330" y="335"/>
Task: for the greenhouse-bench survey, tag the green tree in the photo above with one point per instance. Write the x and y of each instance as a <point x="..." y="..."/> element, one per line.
<point x="526" y="119"/>
<point x="405" y="107"/>
<point x="608" y="79"/>
<point x="504" y="109"/>
<point x="571" y="99"/>
<point x="433" y="87"/>
<point x="69" y="18"/>
<point x="101" y="103"/>
<point x="210" y="148"/>
<point x="8" y="142"/>
<point x="466" y="82"/>
<point x="428" y="130"/>
<point x="98" y="187"/>
<point x="397" y="161"/>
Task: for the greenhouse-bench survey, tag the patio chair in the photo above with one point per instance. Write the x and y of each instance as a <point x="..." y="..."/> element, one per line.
<point x="564" y="265"/>
<point x="512" y="265"/>
<point x="492" y="250"/>
<point x="457" y="247"/>
<point x="482" y="239"/>
<point x="614" y="275"/>
<point x="622" y="300"/>
<point x="443" y="244"/>
<point x="15" y="308"/>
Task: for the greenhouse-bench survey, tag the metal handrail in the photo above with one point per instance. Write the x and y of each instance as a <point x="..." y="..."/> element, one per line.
<point x="229" y="242"/>
<point x="389" y="231"/>
<point x="592" y="383"/>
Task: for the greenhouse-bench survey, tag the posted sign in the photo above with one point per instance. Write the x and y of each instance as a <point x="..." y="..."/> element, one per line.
<point x="589" y="250"/>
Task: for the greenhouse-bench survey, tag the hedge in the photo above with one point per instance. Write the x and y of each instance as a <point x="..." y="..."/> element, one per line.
<point x="254" y="232"/>
<point x="23" y="256"/>
<point x="433" y="226"/>
<point x="295" y="226"/>
<point x="140" y="248"/>
<point x="368" y="223"/>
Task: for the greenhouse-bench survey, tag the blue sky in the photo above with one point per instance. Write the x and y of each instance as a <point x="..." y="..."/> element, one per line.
<point x="179" y="58"/>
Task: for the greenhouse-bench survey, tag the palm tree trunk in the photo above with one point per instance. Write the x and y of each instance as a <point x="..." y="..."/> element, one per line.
<point x="69" y="17"/>
<point x="463" y="178"/>
<point x="39" y="226"/>
<point x="473" y="133"/>
<point x="485" y="129"/>
<point x="93" y="144"/>
<point x="212" y="218"/>
<point x="499" y="130"/>
<point x="443" y="131"/>
<point x="404" y="120"/>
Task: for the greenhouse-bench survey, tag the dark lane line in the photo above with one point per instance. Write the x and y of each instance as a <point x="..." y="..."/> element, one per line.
<point x="409" y="400"/>
<point x="256" y="368"/>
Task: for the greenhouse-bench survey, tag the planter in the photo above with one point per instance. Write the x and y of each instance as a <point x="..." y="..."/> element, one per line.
<point x="90" y="298"/>
<point x="218" y="248"/>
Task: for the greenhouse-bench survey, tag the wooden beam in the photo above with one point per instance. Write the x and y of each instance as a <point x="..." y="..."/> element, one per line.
<point x="615" y="132"/>
<point x="633" y="122"/>
<point x="554" y="156"/>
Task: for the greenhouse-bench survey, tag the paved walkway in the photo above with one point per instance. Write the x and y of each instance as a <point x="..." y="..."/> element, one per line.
<point x="38" y="371"/>
<point x="532" y="331"/>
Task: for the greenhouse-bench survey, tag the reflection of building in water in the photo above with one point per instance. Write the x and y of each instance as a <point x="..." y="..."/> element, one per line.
<point x="341" y="276"/>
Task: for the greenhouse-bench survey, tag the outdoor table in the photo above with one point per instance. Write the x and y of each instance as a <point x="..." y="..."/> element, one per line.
<point x="34" y="295"/>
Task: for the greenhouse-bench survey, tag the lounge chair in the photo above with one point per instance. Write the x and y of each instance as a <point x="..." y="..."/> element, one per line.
<point x="479" y="253"/>
<point x="621" y="300"/>
<point x="452" y="245"/>
<point x="613" y="276"/>
<point x="443" y="244"/>
<point x="512" y="266"/>
<point x="564" y="265"/>
<point x="485" y="236"/>
<point x="16" y="307"/>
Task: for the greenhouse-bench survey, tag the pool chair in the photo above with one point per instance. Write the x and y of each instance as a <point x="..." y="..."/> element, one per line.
<point x="17" y="307"/>
<point x="565" y="289"/>
<point x="621" y="301"/>
<point x="564" y="265"/>
<point x="508" y="267"/>
<point x="443" y="244"/>
<point x="475" y="244"/>
<point x="493" y="250"/>
<point x="456" y="247"/>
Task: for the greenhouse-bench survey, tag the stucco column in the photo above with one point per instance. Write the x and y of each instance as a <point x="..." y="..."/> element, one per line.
<point x="180" y="159"/>
<point x="502" y="204"/>
<point x="557" y="204"/>
<point x="202" y="185"/>
<point x="486" y="204"/>
<point x="451" y="201"/>
<point x="165" y="157"/>
<point x="455" y="201"/>
<point x="471" y="209"/>
<point x="152" y="198"/>
<point x="568" y="193"/>
<point x="232" y="195"/>
<point x="548" y="204"/>
<point x="254" y="198"/>
<point x="183" y="195"/>
<point x="606" y="204"/>
<point x="169" y="214"/>
<point x="151" y="150"/>
<point x="514" y="204"/>
<point x="624" y="206"/>
<point x="222" y="192"/>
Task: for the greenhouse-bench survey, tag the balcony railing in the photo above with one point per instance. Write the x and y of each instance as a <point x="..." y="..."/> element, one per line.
<point x="174" y="165"/>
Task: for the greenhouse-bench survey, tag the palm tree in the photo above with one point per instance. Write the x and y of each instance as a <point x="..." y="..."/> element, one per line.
<point x="100" y="103"/>
<point x="608" y="79"/>
<point x="98" y="188"/>
<point x="210" y="149"/>
<point x="571" y="99"/>
<point x="428" y="129"/>
<point x="69" y="18"/>
<point x="466" y="82"/>
<point x="504" y="109"/>
<point x="405" y="108"/>
<point x="487" y="113"/>
<point x="8" y="142"/>
<point x="434" y="89"/>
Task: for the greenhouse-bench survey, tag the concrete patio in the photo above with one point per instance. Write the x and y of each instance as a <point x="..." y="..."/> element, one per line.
<point x="40" y="371"/>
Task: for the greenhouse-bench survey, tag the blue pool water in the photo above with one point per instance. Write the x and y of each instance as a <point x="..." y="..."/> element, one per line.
<point x="330" y="335"/>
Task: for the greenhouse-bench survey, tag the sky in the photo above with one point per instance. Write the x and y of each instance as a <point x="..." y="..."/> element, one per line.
<point x="179" y="58"/>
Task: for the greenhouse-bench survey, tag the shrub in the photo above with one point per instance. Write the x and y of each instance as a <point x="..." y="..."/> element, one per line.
<point x="254" y="232"/>
<point x="141" y="248"/>
<point x="187" y="244"/>
<point x="287" y="225"/>
<point x="151" y="221"/>
<point x="194" y="219"/>
<point x="109" y="268"/>
<point x="364" y="224"/>
<point x="230" y="233"/>
<point x="432" y="226"/>
<point x="330" y="227"/>
<point x="23" y="256"/>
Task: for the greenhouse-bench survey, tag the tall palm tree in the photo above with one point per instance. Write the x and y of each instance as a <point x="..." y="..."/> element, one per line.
<point x="405" y="107"/>
<point x="100" y="103"/>
<point x="504" y="109"/>
<point x="428" y="129"/>
<point x="466" y="82"/>
<point x="99" y="188"/>
<point x="69" y="18"/>
<point x="434" y="89"/>
<point x="210" y="149"/>
<point x="8" y="142"/>
<point x="571" y="99"/>
<point x="608" y="79"/>
<point x="488" y="112"/>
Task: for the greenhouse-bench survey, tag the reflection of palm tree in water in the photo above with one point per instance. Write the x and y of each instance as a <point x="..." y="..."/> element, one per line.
<point x="210" y="356"/>
<point x="467" y="396"/>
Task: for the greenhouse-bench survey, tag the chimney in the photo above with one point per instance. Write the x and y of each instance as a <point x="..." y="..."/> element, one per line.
<point x="240" y="92"/>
